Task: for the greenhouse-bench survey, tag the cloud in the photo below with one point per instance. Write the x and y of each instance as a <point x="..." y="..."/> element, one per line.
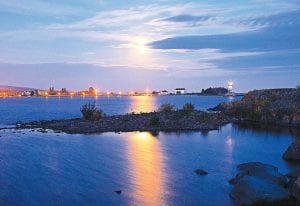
<point x="283" y="33"/>
<point x="187" y="18"/>
<point x="32" y="7"/>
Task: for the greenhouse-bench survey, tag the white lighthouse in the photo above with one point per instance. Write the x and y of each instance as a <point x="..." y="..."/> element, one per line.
<point x="230" y="88"/>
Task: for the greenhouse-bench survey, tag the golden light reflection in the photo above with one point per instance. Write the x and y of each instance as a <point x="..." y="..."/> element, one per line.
<point x="143" y="103"/>
<point x="229" y="147"/>
<point x="146" y="163"/>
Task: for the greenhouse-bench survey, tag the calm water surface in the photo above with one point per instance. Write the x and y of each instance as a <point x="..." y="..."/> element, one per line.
<point x="150" y="169"/>
<point x="31" y="109"/>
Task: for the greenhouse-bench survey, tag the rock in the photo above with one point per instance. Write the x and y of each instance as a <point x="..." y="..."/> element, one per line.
<point x="253" y="191"/>
<point x="42" y="130"/>
<point x="292" y="152"/>
<point x="201" y="172"/>
<point x="296" y="118"/>
<point x="261" y="170"/>
<point x="285" y="120"/>
<point x="118" y="192"/>
<point x="295" y="189"/>
<point x="294" y="174"/>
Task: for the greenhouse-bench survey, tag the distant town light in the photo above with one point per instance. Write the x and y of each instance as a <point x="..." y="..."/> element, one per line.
<point x="147" y="90"/>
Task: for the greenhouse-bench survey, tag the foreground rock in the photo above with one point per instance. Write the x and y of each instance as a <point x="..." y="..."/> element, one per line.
<point x="295" y="188"/>
<point x="268" y="106"/>
<point x="155" y="121"/>
<point x="261" y="184"/>
<point x="261" y="170"/>
<point x="251" y="190"/>
<point x="292" y="152"/>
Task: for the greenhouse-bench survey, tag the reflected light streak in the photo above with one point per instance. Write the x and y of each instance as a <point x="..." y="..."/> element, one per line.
<point x="143" y="103"/>
<point x="229" y="147"/>
<point x="146" y="164"/>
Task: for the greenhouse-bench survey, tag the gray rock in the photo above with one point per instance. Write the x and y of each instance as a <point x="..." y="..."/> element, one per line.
<point x="201" y="172"/>
<point x="118" y="192"/>
<point x="295" y="189"/>
<point x="252" y="191"/>
<point x="296" y="118"/>
<point x="292" y="152"/>
<point x="261" y="170"/>
<point x="294" y="173"/>
<point x="285" y="119"/>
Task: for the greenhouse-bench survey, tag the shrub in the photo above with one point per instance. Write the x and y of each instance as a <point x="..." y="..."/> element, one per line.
<point x="166" y="108"/>
<point x="91" y="112"/>
<point x="188" y="107"/>
<point x="203" y="117"/>
<point x="154" y="121"/>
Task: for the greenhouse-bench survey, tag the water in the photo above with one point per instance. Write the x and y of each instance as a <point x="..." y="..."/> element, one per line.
<point x="31" y="109"/>
<point x="150" y="169"/>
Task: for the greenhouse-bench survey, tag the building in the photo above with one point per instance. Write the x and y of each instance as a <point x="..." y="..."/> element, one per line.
<point x="52" y="91"/>
<point x="180" y="91"/>
<point x="230" y="88"/>
<point x="27" y="93"/>
<point x="63" y="90"/>
<point x="164" y="92"/>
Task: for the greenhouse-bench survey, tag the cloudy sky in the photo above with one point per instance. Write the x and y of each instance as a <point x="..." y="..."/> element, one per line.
<point x="130" y="45"/>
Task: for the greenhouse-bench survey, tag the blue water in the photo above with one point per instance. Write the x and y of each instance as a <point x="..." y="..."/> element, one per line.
<point x="150" y="169"/>
<point x="31" y="109"/>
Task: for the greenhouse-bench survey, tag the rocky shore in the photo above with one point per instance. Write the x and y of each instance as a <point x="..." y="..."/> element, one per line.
<point x="257" y="183"/>
<point x="268" y="106"/>
<point x="155" y="121"/>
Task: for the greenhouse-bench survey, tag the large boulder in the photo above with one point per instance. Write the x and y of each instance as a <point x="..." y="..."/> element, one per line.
<point x="261" y="170"/>
<point x="292" y="152"/>
<point x="253" y="191"/>
<point x="295" y="189"/>
<point x="296" y="118"/>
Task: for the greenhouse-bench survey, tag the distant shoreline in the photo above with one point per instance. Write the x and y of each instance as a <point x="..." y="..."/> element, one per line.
<point x="188" y="94"/>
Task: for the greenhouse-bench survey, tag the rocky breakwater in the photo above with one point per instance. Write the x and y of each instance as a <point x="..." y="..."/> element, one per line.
<point x="154" y="121"/>
<point x="269" y="106"/>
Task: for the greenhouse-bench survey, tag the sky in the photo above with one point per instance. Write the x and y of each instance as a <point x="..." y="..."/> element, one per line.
<point x="124" y="45"/>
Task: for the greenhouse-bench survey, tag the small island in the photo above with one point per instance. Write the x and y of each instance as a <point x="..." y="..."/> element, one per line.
<point x="165" y="119"/>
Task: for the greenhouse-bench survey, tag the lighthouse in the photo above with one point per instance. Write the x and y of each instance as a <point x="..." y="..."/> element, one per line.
<point x="230" y="88"/>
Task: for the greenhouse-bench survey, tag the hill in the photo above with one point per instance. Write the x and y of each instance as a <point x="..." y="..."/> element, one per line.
<point x="15" y="89"/>
<point x="214" y="91"/>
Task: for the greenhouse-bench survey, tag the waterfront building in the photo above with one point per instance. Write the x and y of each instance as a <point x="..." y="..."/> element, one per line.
<point x="164" y="92"/>
<point x="180" y="91"/>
